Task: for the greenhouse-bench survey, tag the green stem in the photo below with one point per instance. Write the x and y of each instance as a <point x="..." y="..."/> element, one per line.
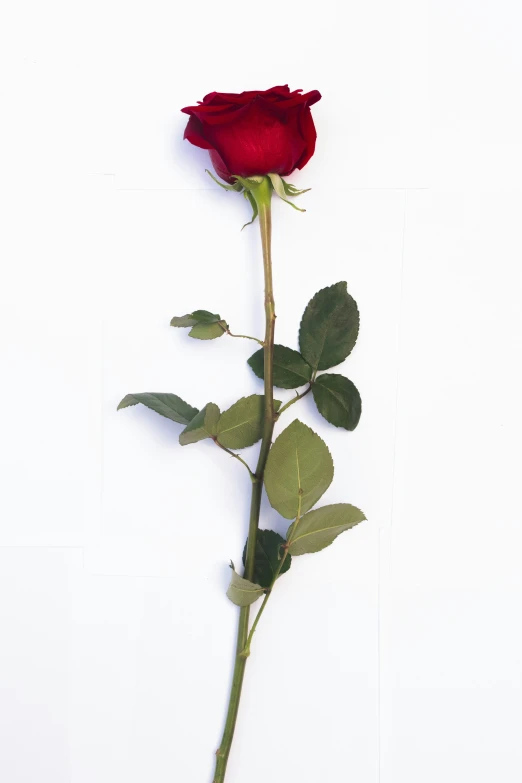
<point x="293" y="400"/>
<point x="236" y="456"/>
<point x="246" y="652"/>
<point x="262" y="194"/>
<point x="245" y="337"/>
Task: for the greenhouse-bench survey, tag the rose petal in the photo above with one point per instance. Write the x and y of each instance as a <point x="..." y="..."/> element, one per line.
<point x="255" y="132"/>
<point x="220" y="167"/>
<point x="309" y="134"/>
<point x="194" y="134"/>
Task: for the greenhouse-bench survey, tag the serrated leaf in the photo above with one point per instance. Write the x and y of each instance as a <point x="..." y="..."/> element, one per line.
<point x="242" y="592"/>
<point x="329" y="327"/>
<point x="299" y="465"/>
<point x="183" y="320"/>
<point x="242" y="424"/>
<point x="205" y="317"/>
<point x="338" y="400"/>
<point x="203" y="425"/>
<point x="204" y="323"/>
<point x="317" y="529"/>
<point x="169" y="405"/>
<point x="210" y="331"/>
<point x="290" y="369"/>
<point x="268" y="557"/>
<point x="197" y="317"/>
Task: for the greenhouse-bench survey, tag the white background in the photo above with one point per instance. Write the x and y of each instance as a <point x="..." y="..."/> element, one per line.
<point x="396" y="655"/>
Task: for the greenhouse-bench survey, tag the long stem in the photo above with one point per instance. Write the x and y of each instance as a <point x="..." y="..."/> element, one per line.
<point x="262" y="195"/>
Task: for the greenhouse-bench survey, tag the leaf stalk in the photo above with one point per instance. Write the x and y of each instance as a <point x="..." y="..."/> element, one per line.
<point x="245" y="337"/>
<point x="294" y="400"/>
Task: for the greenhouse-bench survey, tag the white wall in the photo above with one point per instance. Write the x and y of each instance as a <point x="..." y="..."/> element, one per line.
<point x="396" y="655"/>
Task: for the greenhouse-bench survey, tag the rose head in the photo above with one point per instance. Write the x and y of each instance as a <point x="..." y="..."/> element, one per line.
<point x="254" y="133"/>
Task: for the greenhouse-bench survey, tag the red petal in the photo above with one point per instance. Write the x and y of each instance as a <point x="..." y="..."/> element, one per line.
<point x="194" y="134"/>
<point x="220" y="167"/>
<point x="255" y="132"/>
<point x="308" y="131"/>
<point x="241" y="98"/>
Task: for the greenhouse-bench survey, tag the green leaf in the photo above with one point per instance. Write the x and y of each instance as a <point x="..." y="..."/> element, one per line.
<point x="242" y="424"/>
<point x="205" y="317"/>
<point x="199" y="317"/>
<point x="206" y="331"/>
<point x="242" y="592"/>
<point x="203" y="425"/>
<point x="299" y="466"/>
<point x="268" y="556"/>
<point x="329" y="327"/>
<point x="338" y="400"/>
<point x="169" y="405"/>
<point x="183" y="320"/>
<point x="319" y="528"/>
<point x="290" y="369"/>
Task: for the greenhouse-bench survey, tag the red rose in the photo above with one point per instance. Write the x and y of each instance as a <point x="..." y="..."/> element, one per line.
<point x="256" y="132"/>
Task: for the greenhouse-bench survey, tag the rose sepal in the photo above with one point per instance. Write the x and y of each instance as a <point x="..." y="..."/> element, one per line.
<point x="284" y="189"/>
<point x="291" y="190"/>
<point x="236" y="186"/>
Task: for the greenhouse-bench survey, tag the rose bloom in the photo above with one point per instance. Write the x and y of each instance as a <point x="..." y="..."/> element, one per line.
<point x="256" y="132"/>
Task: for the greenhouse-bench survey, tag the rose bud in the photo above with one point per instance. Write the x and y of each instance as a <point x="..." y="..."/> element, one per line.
<point x="254" y="133"/>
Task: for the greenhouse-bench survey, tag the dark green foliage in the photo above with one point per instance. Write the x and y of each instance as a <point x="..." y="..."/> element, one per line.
<point x="169" y="405"/>
<point x="329" y="327"/>
<point x="338" y="400"/>
<point x="205" y="325"/>
<point x="269" y="553"/>
<point x="290" y="369"/>
<point x="197" y="317"/>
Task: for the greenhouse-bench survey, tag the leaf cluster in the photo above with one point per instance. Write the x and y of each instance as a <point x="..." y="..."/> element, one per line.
<point x="327" y="335"/>
<point x="299" y="467"/>
<point x="298" y="472"/>
<point x="238" y="427"/>
<point x="204" y="324"/>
